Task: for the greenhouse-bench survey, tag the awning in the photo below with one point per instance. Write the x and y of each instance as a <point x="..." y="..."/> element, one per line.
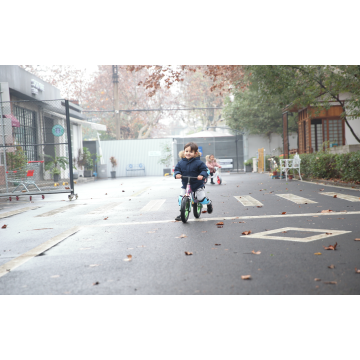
<point x="14" y="121"/>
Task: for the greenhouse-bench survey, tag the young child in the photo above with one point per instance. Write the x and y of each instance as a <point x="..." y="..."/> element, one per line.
<point x="191" y="165"/>
<point x="211" y="163"/>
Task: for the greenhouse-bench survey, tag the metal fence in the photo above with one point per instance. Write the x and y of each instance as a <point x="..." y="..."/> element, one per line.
<point x="35" y="148"/>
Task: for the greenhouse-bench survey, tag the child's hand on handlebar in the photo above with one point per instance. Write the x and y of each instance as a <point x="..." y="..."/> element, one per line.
<point x="178" y="176"/>
<point x="200" y="177"/>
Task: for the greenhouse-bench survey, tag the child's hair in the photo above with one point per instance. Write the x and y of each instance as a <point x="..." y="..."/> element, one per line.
<point x="192" y="146"/>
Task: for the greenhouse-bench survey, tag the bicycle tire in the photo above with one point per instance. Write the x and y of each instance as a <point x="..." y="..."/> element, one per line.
<point x="185" y="209"/>
<point x="219" y="181"/>
<point x="197" y="207"/>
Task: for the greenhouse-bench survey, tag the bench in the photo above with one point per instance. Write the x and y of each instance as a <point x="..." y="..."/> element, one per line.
<point x="225" y="163"/>
<point x="290" y="164"/>
<point x="135" y="167"/>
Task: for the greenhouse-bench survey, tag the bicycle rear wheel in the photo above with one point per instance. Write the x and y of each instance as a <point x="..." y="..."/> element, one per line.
<point x="185" y="209"/>
<point x="197" y="207"/>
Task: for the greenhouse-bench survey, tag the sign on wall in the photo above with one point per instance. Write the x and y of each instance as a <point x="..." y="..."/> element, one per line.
<point x="58" y="130"/>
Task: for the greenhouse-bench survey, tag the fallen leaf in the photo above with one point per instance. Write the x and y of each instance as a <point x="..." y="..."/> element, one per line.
<point x="357" y="271"/>
<point x="204" y="231"/>
<point x="335" y="196"/>
<point x="283" y="213"/>
<point x="259" y="206"/>
<point x="284" y="232"/>
<point x="341" y="218"/>
<point x="256" y="253"/>
<point x="330" y="282"/>
<point x="330" y="247"/>
<point x="188" y="253"/>
<point x="4" y="227"/>
<point x="220" y="223"/>
<point x="328" y="233"/>
<point x="331" y="267"/>
<point x="326" y="211"/>
<point x="106" y="194"/>
<point x="217" y="244"/>
<point x="318" y="253"/>
<point x="317" y="279"/>
<point x="67" y="188"/>
<point x="123" y="190"/>
<point x="247" y="232"/>
<point x="129" y="258"/>
<point x="357" y="239"/>
<point x="106" y="218"/>
<point x="96" y="283"/>
<point x="181" y="236"/>
<point x="321" y="189"/>
<point x="246" y="277"/>
<point x="204" y="211"/>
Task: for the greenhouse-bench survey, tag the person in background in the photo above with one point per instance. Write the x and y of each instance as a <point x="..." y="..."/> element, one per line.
<point x="211" y="163"/>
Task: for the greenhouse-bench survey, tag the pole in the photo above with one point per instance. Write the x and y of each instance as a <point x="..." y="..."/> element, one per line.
<point x="237" y="156"/>
<point x="3" y="136"/>
<point x="116" y="101"/>
<point x="69" y="146"/>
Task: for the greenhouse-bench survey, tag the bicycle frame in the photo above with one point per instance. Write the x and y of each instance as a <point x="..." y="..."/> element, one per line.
<point x="188" y="191"/>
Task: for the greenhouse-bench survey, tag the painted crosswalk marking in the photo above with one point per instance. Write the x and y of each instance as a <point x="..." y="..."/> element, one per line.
<point x="57" y="211"/>
<point x="342" y="196"/>
<point x="105" y="208"/>
<point x="15" y="212"/>
<point x="296" y="199"/>
<point x="247" y="200"/>
<point x="153" y="205"/>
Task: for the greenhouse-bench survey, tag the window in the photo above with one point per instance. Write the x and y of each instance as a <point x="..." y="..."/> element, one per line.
<point x="25" y="135"/>
<point x="333" y="131"/>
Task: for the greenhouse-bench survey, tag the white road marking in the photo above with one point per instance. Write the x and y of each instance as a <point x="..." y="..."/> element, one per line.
<point x="11" y="265"/>
<point x="57" y="211"/>
<point x="248" y="200"/>
<point x="265" y="234"/>
<point x="140" y="192"/>
<point x="231" y="218"/>
<point x="153" y="205"/>
<point x="322" y="184"/>
<point x="104" y="208"/>
<point x="351" y="198"/>
<point x="296" y="199"/>
<point x="15" y="212"/>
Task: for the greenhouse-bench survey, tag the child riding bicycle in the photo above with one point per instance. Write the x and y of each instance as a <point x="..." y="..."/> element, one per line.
<point x="191" y="165"/>
<point x="211" y="164"/>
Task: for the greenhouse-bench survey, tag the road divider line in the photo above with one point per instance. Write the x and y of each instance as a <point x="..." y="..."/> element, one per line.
<point x="296" y="199"/>
<point x="11" y="265"/>
<point x="15" y="212"/>
<point x="230" y="218"/>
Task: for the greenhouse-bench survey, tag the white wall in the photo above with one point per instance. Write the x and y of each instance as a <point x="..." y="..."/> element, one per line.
<point x="134" y="152"/>
<point x="255" y="142"/>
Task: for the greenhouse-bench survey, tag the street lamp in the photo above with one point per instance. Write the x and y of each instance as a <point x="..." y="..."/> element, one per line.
<point x="115" y="78"/>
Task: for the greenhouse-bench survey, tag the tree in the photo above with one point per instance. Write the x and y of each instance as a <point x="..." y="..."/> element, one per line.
<point x="311" y="85"/>
<point x="248" y="111"/>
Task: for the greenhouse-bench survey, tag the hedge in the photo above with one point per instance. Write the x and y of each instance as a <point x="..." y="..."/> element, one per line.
<point x="322" y="165"/>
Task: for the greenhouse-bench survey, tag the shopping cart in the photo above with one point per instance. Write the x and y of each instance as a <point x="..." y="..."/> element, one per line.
<point x="24" y="178"/>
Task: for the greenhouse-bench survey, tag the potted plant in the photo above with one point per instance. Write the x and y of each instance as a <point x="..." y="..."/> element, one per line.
<point x="114" y="165"/>
<point x="54" y="166"/>
<point x="87" y="161"/>
<point x="249" y="165"/>
<point x="165" y="159"/>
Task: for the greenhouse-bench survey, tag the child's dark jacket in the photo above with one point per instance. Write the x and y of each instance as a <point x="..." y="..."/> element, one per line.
<point x="193" y="167"/>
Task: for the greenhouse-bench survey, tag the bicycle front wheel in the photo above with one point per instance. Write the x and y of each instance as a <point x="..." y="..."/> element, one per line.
<point x="185" y="209"/>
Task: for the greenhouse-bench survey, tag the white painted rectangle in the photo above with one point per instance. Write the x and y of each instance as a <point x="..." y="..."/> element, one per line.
<point x="153" y="205"/>
<point x="342" y="196"/>
<point x="104" y="209"/>
<point x="296" y="199"/>
<point x="247" y="200"/>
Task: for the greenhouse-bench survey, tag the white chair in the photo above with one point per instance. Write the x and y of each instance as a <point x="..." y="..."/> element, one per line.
<point x="290" y="164"/>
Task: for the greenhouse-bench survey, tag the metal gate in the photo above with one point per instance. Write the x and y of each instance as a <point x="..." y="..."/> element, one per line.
<point x="35" y="148"/>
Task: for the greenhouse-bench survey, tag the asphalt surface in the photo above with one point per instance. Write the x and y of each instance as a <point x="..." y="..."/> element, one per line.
<point x="90" y="253"/>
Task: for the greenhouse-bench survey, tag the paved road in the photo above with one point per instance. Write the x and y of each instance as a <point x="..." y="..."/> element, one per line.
<point x="56" y="246"/>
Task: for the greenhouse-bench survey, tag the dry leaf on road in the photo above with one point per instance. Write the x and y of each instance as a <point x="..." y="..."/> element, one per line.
<point x="129" y="258"/>
<point x="328" y="233"/>
<point x="256" y="253"/>
<point x="246" y="277"/>
<point x="357" y="239"/>
<point x="181" y="236"/>
<point x="330" y="247"/>
<point x="335" y="196"/>
<point x="96" y="283"/>
<point x="106" y="218"/>
<point x="330" y="282"/>
<point x="204" y="231"/>
<point x="188" y="253"/>
<point x="331" y="266"/>
<point x="219" y="223"/>
<point x="204" y="211"/>
<point x="283" y="213"/>
<point x="357" y="271"/>
<point x="318" y="253"/>
<point x="326" y="211"/>
<point x="317" y="279"/>
<point x="217" y="244"/>
<point x="247" y="232"/>
<point x="4" y="227"/>
<point x="321" y="189"/>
